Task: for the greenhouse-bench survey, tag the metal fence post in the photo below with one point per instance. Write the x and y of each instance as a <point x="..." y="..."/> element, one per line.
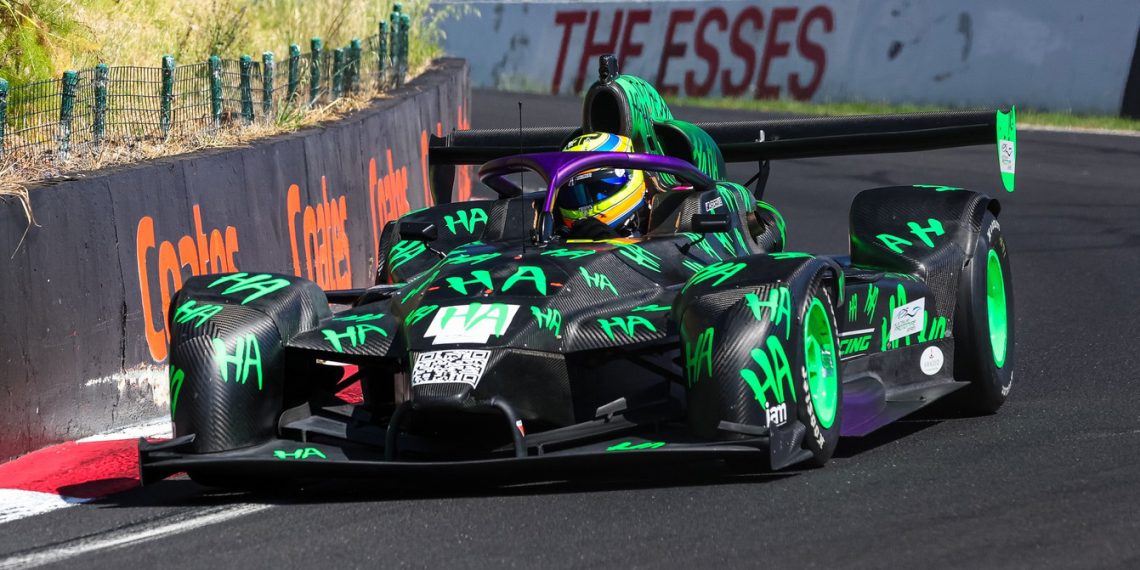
<point x="3" y="112"/>
<point x="405" y="26"/>
<point x="294" y="72"/>
<point x="167" y="100"/>
<point x="382" y="55"/>
<point x="99" y="122"/>
<point x="394" y="49"/>
<point x="66" y="109"/>
<point x="246" y="86"/>
<point x="267" y="69"/>
<point x="216" y="90"/>
<point x="338" y="73"/>
<point x="315" y="71"/>
<point x="354" y="64"/>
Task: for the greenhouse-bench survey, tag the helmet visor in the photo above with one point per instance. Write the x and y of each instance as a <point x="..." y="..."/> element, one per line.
<point x="590" y="188"/>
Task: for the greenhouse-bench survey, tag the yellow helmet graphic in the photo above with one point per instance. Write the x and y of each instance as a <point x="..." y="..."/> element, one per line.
<point x="611" y="195"/>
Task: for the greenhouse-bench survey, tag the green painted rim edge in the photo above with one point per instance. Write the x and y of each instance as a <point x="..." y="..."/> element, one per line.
<point x="996" y="308"/>
<point x="820" y="366"/>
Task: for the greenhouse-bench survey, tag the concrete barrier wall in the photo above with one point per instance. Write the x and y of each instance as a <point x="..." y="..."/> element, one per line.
<point x="84" y="291"/>
<point x="1048" y="54"/>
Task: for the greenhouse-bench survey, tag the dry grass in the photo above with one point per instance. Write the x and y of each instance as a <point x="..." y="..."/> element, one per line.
<point x="138" y="32"/>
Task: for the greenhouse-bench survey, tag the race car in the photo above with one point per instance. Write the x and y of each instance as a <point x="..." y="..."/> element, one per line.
<point x="496" y="342"/>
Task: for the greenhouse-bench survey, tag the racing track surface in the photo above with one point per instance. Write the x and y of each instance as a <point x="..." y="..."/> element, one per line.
<point x="1051" y="481"/>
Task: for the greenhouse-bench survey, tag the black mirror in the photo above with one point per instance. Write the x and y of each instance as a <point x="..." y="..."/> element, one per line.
<point x="418" y="231"/>
<point x="710" y="223"/>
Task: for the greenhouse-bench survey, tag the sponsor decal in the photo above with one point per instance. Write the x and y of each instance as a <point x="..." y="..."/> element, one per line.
<point x="931" y="361"/>
<point x="246" y="357"/>
<point x="777" y="415"/>
<point x="698" y="355"/>
<point x="855" y="345"/>
<point x="355" y="335"/>
<point x="450" y="367"/>
<point x="630" y="446"/>
<point x="473" y="323"/>
<point x="777" y="372"/>
<point x="258" y="285"/>
<point x="549" y="319"/>
<point x="300" y="453"/>
<point x="627" y="325"/>
<point x="192" y="311"/>
<point x="777" y="307"/>
<point x="465" y="220"/>
<point x="907" y="319"/>
<point x="933" y="227"/>
<point x="482" y="279"/>
<point x="598" y="281"/>
<point x="719" y="271"/>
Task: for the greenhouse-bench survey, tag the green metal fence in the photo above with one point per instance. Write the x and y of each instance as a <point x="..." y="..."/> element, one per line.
<point x="47" y="122"/>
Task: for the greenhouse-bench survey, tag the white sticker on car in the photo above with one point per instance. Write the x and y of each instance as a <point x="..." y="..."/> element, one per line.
<point x="931" y="361"/>
<point x="777" y="415"/>
<point x="907" y="319"/>
<point x="473" y="323"/>
<point x="450" y="366"/>
<point x="1008" y="156"/>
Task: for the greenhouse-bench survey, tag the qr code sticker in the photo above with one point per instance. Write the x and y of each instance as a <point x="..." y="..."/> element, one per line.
<point x="450" y="366"/>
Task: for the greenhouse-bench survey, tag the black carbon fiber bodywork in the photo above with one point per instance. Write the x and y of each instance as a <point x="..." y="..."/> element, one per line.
<point x="227" y="358"/>
<point x="490" y="338"/>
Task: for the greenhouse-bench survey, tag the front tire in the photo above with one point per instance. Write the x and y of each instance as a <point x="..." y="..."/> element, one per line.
<point x="983" y="324"/>
<point x="820" y="404"/>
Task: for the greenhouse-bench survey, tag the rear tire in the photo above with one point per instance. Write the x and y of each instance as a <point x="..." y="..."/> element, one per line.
<point x="983" y="323"/>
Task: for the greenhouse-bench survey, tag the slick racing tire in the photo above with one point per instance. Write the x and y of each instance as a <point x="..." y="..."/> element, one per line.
<point x="983" y="323"/>
<point x="819" y="389"/>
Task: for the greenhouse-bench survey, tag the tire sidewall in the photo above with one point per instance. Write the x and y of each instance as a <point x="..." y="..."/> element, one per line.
<point x="820" y="441"/>
<point x="973" y="355"/>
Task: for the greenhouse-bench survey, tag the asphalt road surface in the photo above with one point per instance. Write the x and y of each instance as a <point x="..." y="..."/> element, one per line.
<point x="1053" y="480"/>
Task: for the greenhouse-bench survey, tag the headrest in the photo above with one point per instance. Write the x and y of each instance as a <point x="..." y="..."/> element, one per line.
<point x="686" y="141"/>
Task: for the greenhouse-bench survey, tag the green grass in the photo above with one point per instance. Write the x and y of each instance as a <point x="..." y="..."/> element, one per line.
<point x="1024" y="116"/>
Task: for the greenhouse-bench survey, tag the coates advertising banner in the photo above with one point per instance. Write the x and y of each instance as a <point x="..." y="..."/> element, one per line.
<point x="1040" y="53"/>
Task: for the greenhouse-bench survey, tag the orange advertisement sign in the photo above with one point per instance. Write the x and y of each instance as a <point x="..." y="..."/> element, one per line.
<point x="160" y="265"/>
<point x="320" y="234"/>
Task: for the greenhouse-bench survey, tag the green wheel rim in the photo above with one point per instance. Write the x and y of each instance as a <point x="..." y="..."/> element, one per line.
<point x="819" y="363"/>
<point x="995" y="308"/>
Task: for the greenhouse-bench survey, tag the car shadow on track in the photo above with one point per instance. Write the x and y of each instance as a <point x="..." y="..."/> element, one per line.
<point x="180" y="491"/>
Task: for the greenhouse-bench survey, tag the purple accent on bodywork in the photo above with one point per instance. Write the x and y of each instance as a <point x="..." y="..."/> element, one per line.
<point x="556" y="168"/>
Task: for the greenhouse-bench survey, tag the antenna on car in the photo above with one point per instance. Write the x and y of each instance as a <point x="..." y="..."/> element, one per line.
<point x="522" y="185"/>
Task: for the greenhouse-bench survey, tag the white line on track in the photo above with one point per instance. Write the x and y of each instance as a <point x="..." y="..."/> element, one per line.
<point x="16" y="504"/>
<point x="157" y="427"/>
<point x="134" y="534"/>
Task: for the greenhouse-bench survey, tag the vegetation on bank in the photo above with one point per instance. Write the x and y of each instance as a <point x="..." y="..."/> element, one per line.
<point x="40" y="39"/>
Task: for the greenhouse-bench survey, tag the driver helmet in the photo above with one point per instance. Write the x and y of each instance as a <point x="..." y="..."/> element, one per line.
<point x="610" y="195"/>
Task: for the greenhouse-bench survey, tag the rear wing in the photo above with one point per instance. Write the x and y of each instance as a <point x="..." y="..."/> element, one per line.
<point x="759" y="141"/>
